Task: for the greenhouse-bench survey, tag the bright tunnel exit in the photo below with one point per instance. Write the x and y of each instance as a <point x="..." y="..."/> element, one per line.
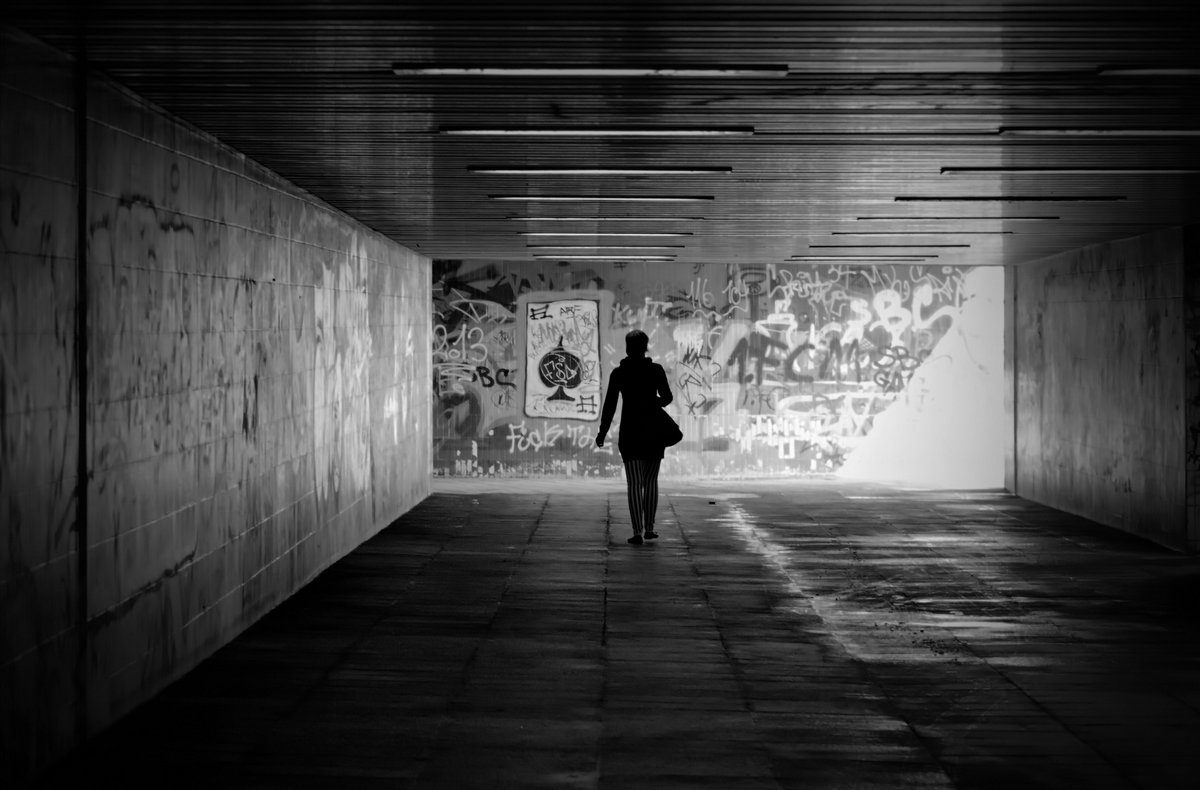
<point x="946" y="428"/>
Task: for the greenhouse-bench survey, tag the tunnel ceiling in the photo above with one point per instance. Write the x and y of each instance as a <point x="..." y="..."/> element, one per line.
<point x="754" y="132"/>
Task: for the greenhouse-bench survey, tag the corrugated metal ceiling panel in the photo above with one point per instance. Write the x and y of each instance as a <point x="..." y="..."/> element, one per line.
<point x="849" y="146"/>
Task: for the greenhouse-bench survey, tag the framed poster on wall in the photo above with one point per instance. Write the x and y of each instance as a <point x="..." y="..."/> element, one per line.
<point x="562" y="356"/>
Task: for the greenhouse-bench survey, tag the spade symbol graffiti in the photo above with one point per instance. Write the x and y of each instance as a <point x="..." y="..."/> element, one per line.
<point x="560" y="368"/>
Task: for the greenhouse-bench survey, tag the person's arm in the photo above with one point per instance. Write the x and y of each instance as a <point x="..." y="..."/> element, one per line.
<point x="610" y="407"/>
<point x="664" y="389"/>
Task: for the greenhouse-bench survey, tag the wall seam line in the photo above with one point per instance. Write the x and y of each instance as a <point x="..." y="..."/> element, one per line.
<point x="81" y="377"/>
<point x="1016" y="384"/>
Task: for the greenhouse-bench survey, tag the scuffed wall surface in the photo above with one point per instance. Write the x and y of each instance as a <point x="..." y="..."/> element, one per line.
<point x="1010" y="379"/>
<point x="257" y="406"/>
<point x="775" y="369"/>
<point x="252" y="378"/>
<point x="1191" y="271"/>
<point x="1100" y="384"/>
<point x="39" y="422"/>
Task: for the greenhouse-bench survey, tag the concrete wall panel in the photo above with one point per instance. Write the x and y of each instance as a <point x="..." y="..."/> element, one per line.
<point x="39" y="423"/>
<point x="1191" y="334"/>
<point x="1100" y="384"/>
<point x="253" y="410"/>
<point x="234" y="426"/>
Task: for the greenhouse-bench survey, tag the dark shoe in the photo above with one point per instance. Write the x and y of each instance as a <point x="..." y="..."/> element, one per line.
<point x="650" y="535"/>
<point x="636" y="540"/>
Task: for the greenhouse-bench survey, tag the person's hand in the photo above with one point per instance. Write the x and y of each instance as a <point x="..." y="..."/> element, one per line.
<point x="599" y="440"/>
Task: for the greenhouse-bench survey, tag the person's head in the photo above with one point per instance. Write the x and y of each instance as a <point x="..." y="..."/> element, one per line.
<point x="636" y="343"/>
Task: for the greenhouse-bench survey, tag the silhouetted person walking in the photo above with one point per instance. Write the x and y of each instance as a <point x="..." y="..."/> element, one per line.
<point x="642" y="385"/>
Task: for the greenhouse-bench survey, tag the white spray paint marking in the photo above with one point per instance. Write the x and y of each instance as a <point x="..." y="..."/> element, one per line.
<point x="391" y="410"/>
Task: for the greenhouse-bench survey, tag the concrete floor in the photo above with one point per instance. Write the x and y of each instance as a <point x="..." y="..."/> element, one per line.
<point x="779" y="634"/>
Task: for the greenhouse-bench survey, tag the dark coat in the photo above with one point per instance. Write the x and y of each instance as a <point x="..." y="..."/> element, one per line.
<point x="643" y="388"/>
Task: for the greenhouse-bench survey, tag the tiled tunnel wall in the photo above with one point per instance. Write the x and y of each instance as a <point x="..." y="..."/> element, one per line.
<point x="257" y="398"/>
<point x="39" y="418"/>
<point x="1191" y="273"/>
<point x="1101" y="421"/>
<point x="883" y="371"/>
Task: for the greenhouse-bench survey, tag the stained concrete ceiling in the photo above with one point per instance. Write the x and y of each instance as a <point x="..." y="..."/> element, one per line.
<point x="939" y="133"/>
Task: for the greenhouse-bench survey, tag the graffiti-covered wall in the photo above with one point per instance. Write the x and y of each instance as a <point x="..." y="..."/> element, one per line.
<point x="775" y="369"/>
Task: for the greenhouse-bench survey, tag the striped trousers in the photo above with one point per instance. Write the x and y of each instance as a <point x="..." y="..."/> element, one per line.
<point x="641" y="483"/>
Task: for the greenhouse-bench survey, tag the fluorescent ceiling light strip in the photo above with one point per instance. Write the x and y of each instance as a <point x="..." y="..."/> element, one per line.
<point x="604" y="257"/>
<point x="884" y="246"/>
<point x="606" y="199"/>
<point x="866" y="255"/>
<point x="1148" y="71"/>
<point x="872" y="258"/>
<point x="990" y="131"/>
<point x="600" y="171"/>
<point x="597" y="234"/>
<point x="1008" y="198"/>
<point x="731" y="71"/>
<point x="725" y="131"/>
<point x="1067" y="171"/>
<point x="1016" y="131"/>
<point x="604" y="246"/>
<point x="606" y="219"/>
<point x="954" y="219"/>
<point x="920" y="232"/>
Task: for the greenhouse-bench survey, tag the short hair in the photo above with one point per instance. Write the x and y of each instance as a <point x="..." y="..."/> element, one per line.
<point x="636" y="342"/>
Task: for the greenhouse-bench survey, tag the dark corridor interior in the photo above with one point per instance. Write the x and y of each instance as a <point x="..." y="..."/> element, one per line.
<point x="271" y="274"/>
